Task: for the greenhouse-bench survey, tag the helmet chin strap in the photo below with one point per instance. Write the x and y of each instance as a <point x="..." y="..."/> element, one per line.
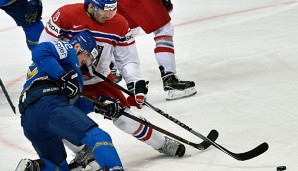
<point x="91" y="14"/>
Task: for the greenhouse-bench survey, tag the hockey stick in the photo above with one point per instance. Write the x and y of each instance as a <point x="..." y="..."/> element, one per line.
<point x="198" y="146"/>
<point x="212" y="135"/>
<point x="238" y="156"/>
<point x="207" y="140"/>
<point x="7" y="96"/>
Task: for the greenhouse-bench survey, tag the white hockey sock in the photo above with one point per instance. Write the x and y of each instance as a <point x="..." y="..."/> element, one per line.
<point x="164" y="47"/>
<point x="142" y="132"/>
<point x="167" y="60"/>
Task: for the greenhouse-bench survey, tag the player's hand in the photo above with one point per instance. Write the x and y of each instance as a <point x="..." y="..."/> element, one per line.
<point x="70" y="84"/>
<point x="112" y="107"/>
<point x="168" y="5"/>
<point x="140" y="90"/>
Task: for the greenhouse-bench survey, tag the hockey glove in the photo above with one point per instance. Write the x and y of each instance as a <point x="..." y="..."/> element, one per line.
<point x="34" y="11"/>
<point x="140" y="90"/>
<point x="112" y="109"/>
<point x="70" y="84"/>
<point x="168" y="5"/>
<point x="116" y="74"/>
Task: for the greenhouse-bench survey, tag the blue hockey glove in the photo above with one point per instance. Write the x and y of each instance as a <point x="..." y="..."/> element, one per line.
<point x="168" y="5"/>
<point x="34" y="11"/>
<point x="112" y="109"/>
<point x="70" y="84"/>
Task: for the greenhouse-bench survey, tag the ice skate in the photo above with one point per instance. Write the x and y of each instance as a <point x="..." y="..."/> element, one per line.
<point x="84" y="160"/>
<point x="172" y="148"/>
<point x="176" y="88"/>
<point x="29" y="165"/>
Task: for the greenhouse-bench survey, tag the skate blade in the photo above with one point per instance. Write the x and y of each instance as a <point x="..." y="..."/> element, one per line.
<point x="80" y="168"/>
<point x="93" y="166"/>
<point x="176" y="94"/>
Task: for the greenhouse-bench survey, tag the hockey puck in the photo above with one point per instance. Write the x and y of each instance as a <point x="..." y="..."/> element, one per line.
<point x="281" y="168"/>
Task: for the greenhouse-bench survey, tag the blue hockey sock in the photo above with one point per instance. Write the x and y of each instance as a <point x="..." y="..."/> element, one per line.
<point x="103" y="150"/>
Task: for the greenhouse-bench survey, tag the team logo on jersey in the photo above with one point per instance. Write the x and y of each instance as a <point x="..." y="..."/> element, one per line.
<point x="76" y="26"/>
<point x="53" y="28"/>
<point x="129" y="37"/>
<point x="32" y="71"/>
<point x="56" y="16"/>
<point x="62" y="51"/>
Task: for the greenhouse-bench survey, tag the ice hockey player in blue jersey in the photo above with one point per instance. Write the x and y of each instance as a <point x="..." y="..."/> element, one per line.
<point x="54" y="80"/>
<point x="27" y="14"/>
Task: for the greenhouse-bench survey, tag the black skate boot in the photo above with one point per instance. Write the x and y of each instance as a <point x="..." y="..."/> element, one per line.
<point x="172" y="84"/>
<point x="83" y="159"/>
<point x="172" y="148"/>
<point x="30" y="165"/>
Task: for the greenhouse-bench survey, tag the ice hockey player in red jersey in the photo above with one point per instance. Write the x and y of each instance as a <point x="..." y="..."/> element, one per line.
<point x="113" y="37"/>
<point x="153" y="16"/>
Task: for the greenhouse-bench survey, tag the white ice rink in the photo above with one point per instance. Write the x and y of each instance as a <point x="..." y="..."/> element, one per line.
<point x="243" y="56"/>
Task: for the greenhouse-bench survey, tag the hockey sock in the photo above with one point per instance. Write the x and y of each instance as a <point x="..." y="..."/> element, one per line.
<point x="102" y="147"/>
<point x="142" y="132"/>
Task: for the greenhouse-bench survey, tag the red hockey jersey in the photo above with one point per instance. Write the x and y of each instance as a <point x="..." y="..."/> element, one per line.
<point x="113" y="39"/>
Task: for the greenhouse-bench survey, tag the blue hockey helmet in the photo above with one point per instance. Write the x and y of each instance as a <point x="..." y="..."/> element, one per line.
<point x="102" y="4"/>
<point x="87" y="42"/>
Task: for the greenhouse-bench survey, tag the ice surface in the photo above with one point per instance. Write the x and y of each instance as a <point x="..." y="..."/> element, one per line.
<point x="243" y="56"/>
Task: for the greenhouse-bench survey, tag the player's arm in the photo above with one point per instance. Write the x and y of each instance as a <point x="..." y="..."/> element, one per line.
<point x="52" y="30"/>
<point x="45" y="60"/>
<point x="48" y="57"/>
<point x="127" y="60"/>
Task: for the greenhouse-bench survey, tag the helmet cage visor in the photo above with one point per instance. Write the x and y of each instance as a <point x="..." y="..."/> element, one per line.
<point x="92" y="55"/>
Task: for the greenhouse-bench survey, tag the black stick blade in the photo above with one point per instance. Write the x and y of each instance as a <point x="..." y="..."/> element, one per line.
<point x="213" y="135"/>
<point x="252" y="153"/>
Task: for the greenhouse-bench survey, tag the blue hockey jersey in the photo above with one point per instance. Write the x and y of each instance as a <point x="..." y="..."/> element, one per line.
<point x="50" y="61"/>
